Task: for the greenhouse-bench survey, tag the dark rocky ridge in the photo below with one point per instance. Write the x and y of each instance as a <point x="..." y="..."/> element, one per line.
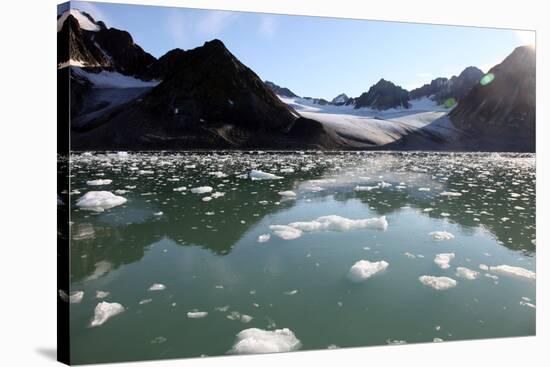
<point x="503" y="111"/>
<point x="383" y="95"/>
<point x="210" y="100"/>
<point x="281" y="91"/>
<point x="442" y="89"/>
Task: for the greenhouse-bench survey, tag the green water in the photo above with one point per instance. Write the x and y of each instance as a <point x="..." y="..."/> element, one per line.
<point x="208" y="256"/>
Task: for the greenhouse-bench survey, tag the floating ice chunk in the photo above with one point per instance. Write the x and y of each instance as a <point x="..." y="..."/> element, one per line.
<point x="264" y="237"/>
<point x="196" y="314"/>
<point x="287" y="194"/>
<point x="438" y="340"/>
<point x="99" y="201"/>
<point x="287" y="170"/>
<point x="206" y="198"/>
<point x="181" y="188"/>
<point x="383" y="184"/>
<point x="218" y="174"/>
<point x="514" y="271"/>
<point x="145" y="301"/>
<point x="365" y="269"/>
<point x="483" y="267"/>
<point x="101" y="294"/>
<point x="494" y="277"/>
<point x="260" y="175"/>
<point x="157" y="287"/>
<point x="466" y="273"/>
<point x="158" y="214"/>
<point x="443" y="260"/>
<point x="76" y="297"/>
<point x="122" y="154"/>
<point x="450" y="193"/>
<point x="222" y="308"/>
<point x="285" y="232"/>
<point x="528" y="304"/>
<point x="291" y="293"/>
<point x="439" y="283"/>
<point x="364" y="188"/>
<point x="254" y="340"/>
<point x="104" y="311"/>
<point x="201" y="190"/>
<point x="441" y="235"/>
<point x="423" y="189"/>
<point x="409" y="255"/>
<point x="217" y="194"/>
<point x="337" y="223"/>
<point x="99" y="182"/>
<point x="246" y="319"/>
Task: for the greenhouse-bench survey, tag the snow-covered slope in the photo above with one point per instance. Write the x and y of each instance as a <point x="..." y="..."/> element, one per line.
<point x="113" y="79"/>
<point x="83" y="19"/>
<point x="366" y="127"/>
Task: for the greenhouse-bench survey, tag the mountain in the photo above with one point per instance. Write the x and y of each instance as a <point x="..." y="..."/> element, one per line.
<point x="501" y="109"/>
<point x="383" y="95"/>
<point x="281" y="91"/>
<point x="209" y="100"/>
<point x="90" y="44"/>
<point x="340" y="99"/>
<point x="443" y="90"/>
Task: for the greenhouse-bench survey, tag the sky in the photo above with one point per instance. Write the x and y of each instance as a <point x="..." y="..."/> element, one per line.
<point x="317" y="56"/>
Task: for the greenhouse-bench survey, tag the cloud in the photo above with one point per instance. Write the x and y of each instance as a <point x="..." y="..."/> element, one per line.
<point x="268" y="25"/>
<point x="214" y="22"/>
<point x="176" y="27"/>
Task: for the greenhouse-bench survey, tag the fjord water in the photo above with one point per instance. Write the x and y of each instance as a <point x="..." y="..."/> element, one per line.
<point x="208" y="257"/>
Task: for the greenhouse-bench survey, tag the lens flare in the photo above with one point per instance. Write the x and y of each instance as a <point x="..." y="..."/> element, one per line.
<point x="487" y="79"/>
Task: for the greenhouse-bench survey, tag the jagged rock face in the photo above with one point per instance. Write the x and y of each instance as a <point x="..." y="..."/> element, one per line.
<point x="166" y="64"/>
<point x="340" y="99"/>
<point x="383" y="95"/>
<point x="77" y="44"/>
<point x="209" y="100"/>
<point x="101" y="48"/>
<point x="504" y="104"/>
<point x="431" y="89"/>
<point x="442" y="89"/>
<point x="210" y="86"/>
<point x="126" y="56"/>
<point x="281" y="91"/>
<point x="459" y="86"/>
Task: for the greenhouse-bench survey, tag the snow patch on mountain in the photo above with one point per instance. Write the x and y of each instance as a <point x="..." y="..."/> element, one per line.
<point x="113" y="79"/>
<point x="83" y="20"/>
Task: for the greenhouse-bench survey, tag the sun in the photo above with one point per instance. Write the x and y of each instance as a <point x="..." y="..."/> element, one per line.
<point x="526" y="37"/>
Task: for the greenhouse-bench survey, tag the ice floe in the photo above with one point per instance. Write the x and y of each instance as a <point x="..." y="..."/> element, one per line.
<point x="99" y="201"/>
<point x="99" y="182"/>
<point x="260" y="175"/>
<point x="439" y="283"/>
<point x="441" y="235"/>
<point x="104" y="311"/>
<point x="285" y="232"/>
<point x="450" y="193"/>
<point x="254" y="340"/>
<point x="443" y="260"/>
<point x="196" y="314"/>
<point x="76" y="297"/>
<point x="338" y="223"/>
<point x="466" y="273"/>
<point x="201" y="190"/>
<point x="514" y="271"/>
<point x="287" y="194"/>
<point x="157" y="287"/>
<point x="365" y="269"/>
<point x="101" y="294"/>
<point x="264" y="237"/>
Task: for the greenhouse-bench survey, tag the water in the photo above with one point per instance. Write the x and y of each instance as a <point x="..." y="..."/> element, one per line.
<point x="208" y="256"/>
